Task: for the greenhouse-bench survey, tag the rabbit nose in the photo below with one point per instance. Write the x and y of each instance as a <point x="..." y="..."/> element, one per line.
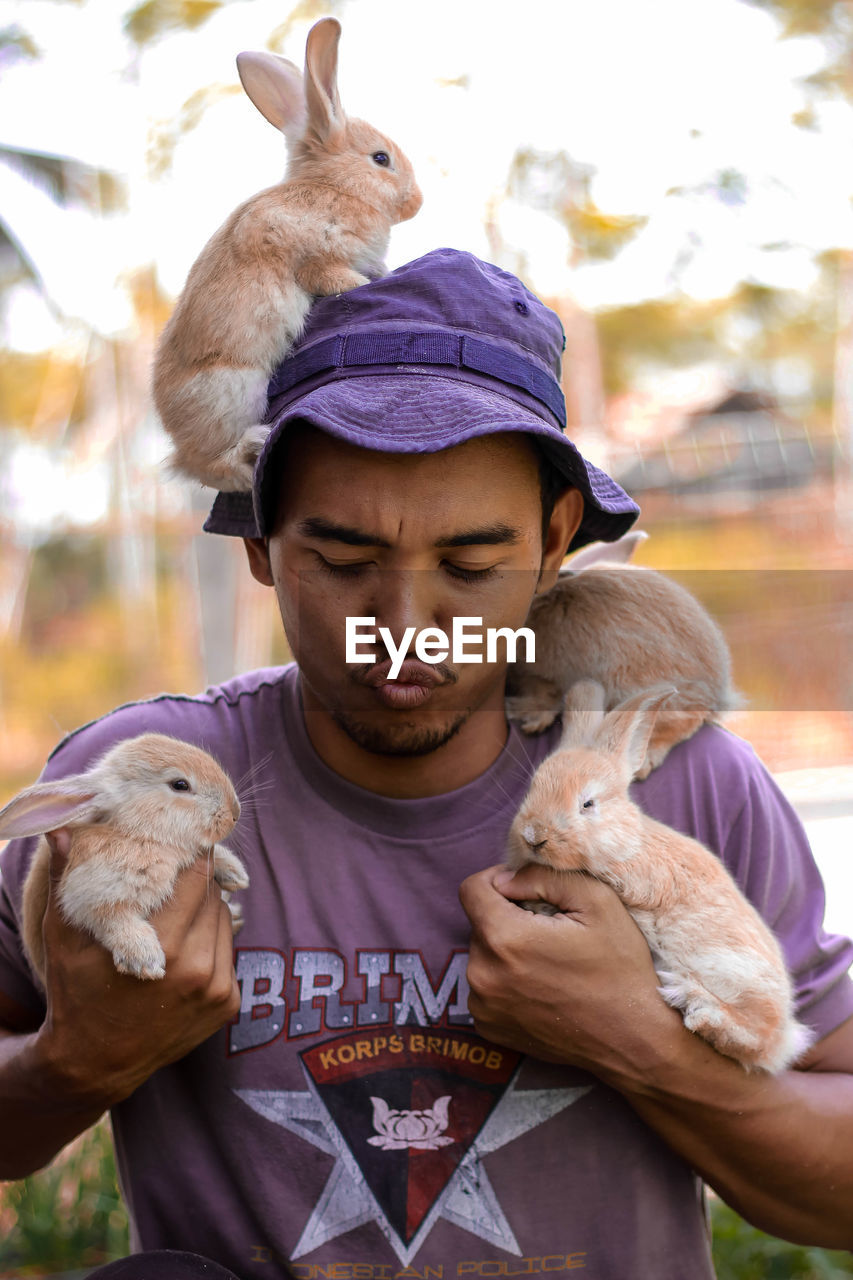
<point x="529" y="833"/>
<point x="235" y="808"/>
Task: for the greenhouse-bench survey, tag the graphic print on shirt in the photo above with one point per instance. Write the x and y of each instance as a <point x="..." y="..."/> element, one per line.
<point x="407" y="1102"/>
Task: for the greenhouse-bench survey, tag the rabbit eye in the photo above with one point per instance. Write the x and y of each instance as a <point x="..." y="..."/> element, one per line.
<point x="382" y="158"/>
<point x="180" y="784"/>
<point x="588" y="804"/>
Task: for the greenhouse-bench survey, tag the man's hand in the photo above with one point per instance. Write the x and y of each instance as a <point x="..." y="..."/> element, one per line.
<point x="105" y="1032"/>
<point x="578" y="987"/>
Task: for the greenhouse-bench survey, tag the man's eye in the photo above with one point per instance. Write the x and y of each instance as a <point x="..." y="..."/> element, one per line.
<point x="469" y="575"/>
<point x="347" y="569"/>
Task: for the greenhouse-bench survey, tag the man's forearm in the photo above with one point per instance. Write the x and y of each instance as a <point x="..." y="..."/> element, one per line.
<point x="38" y="1114"/>
<point x="776" y="1148"/>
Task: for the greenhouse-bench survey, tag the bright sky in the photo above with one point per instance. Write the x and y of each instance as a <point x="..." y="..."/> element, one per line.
<point x="653" y="95"/>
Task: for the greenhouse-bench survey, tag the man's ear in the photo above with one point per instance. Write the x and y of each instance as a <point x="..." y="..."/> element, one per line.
<point x="565" y="519"/>
<point x="259" y="560"/>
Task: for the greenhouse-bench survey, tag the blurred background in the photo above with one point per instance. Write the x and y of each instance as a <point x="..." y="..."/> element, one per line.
<point x="673" y="177"/>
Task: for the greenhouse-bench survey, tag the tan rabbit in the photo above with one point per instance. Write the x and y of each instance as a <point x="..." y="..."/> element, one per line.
<point x="717" y="961"/>
<point x="323" y="230"/>
<point x="145" y="811"/>
<point x="629" y="629"/>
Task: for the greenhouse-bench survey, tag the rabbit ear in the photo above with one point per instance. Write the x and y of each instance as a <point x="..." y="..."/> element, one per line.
<point x="625" y="731"/>
<point x="618" y="552"/>
<point x="274" y="85"/>
<point x="583" y="712"/>
<point x="325" y="113"/>
<point x="47" y="805"/>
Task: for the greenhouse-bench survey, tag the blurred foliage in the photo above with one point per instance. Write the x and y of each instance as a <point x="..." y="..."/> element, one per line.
<point x="832" y="22"/>
<point x="67" y="180"/>
<point x="164" y="137"/>
<point x="554" y="181"/>
<point x="302" y="11"/>
<point x="147" y="22"/>
<point x="741" y="1252"/>
<point x="80" y="653"/>
<point x="40" y="391"/>
<point x="808" y="17"/>
<point x="755" y="328"/>
<point x="68" y="1216"/>
<point x="15" y="44"/>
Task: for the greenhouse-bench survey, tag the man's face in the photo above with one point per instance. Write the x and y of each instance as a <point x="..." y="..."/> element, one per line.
<point x="412" y="540"/>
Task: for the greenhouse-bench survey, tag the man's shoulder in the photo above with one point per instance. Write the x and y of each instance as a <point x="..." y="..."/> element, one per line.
<point x="706" y="783"/>
<point x="204" y="718"/>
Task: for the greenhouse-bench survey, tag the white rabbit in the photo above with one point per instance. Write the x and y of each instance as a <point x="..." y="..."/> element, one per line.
<point x="717" y="961"/>
<point x="627" y="628"/>
<point x="323" y="230"/>
<point x="143" y="812"/>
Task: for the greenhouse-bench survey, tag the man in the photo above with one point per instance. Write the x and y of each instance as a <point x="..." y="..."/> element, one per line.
<point x="343" y="1105"/>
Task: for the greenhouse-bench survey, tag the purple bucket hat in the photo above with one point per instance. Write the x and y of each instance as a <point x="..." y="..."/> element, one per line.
<point x="441" y="350"/>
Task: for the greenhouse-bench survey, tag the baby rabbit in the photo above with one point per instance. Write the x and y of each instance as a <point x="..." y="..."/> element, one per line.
<point x="323" y="230"/>
<point x="143" y="812"/>
<point x="717" y="961"/>
<point x="629" y="629"/>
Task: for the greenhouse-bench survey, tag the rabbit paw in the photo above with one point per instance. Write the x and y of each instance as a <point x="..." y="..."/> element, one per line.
<point x="538" y="907"/>
<point x="531" y="717"/>
<point x="138" y="953"/>
<point x="228" y="870"/>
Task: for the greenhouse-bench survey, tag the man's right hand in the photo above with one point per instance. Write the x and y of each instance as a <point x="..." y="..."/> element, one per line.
<point x="105" y="1032"/>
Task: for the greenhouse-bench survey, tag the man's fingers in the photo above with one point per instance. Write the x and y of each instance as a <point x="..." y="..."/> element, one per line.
<point x="572" y="891"/>
<point x="192" y="908"/>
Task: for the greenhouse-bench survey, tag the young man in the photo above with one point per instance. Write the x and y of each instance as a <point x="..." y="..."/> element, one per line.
<point x="372" y="1081"/>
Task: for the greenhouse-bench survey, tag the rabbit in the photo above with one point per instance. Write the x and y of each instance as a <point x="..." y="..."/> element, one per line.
<point x="628" y="628"/>
<point x="323" y="230"/>
<point x="143" y="812"/>
<point x="716" y="959"/>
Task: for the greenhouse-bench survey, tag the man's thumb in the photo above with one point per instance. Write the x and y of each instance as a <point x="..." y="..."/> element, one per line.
<point x="59" y="844"/>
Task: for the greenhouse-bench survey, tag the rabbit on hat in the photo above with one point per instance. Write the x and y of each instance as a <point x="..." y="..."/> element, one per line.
<point x="627" y="628"/>
<point x="141" y="814"/>
<point x="716" y="959"/>
<point x="323" y="230"/>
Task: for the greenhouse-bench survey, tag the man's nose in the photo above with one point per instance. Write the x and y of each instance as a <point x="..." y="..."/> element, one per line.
<point x="406" y="598"/>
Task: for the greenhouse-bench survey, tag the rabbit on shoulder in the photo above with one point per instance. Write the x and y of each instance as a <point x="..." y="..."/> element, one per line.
<point x="628" y="628"/>
<point x="143" y="812"/>
<point x="716" y="959"/>
<point x="323" y="230"/>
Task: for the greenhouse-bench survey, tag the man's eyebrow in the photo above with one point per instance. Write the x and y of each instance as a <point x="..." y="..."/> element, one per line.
<point x="330" y="531"/>
<point x="485" y="536"/>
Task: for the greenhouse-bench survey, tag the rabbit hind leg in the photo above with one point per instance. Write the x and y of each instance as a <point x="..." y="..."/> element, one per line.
<point x="725" y="1028"/>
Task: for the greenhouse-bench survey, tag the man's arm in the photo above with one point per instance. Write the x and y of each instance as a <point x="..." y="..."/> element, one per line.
<point x="580" y="988"/>
<point x="105" y="1033"/>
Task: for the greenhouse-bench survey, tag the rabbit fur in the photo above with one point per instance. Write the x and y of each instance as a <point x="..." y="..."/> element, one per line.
<point x="323" y="230"/>
<point x="716" y="959"/>
<point x="627" y="628"/>
<point x="145" y="811"/>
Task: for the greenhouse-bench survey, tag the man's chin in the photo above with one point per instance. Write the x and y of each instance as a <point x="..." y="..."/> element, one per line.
<point x="402" y="739"/>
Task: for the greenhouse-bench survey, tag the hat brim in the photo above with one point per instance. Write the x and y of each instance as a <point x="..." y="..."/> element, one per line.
<point x="418" y="412"/>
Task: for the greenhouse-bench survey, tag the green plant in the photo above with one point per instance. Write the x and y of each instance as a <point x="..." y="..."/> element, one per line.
<point x="741" y="1252"/>
<point x="69" y="1215"/>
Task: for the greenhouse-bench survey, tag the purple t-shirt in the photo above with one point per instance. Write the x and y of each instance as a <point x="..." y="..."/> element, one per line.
<point x="350" y="1124"/>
